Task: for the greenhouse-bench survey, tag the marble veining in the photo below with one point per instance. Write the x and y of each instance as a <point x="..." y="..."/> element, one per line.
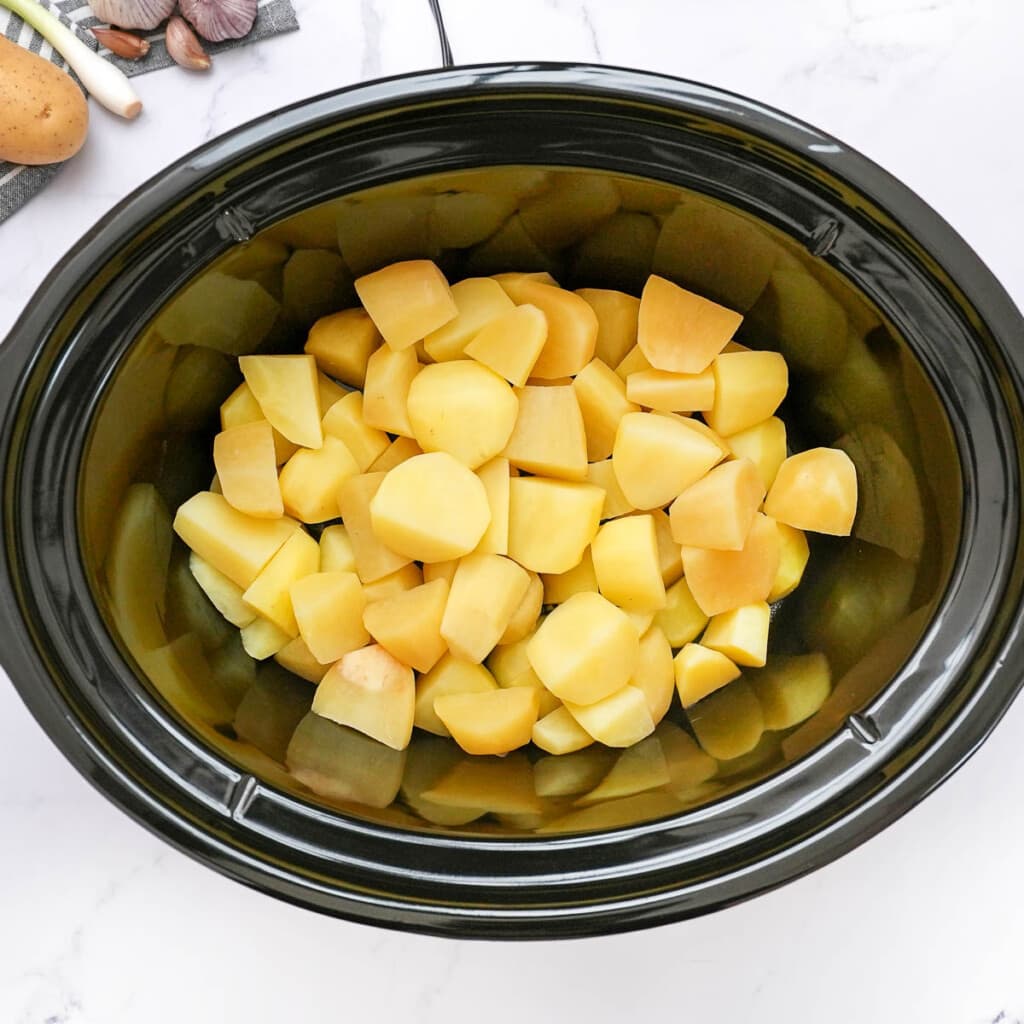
<point x="101" y="923"/>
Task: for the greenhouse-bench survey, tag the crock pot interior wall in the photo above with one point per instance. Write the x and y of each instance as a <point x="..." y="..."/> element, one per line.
<point x="854" y="384"/>
<point x="84" y="376"/>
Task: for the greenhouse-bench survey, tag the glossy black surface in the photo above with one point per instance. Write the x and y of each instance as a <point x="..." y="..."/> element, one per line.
<point x="936" y="309"/>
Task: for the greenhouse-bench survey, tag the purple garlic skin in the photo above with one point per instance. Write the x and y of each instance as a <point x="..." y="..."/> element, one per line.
<point x="132" y="13"/>
<point x="217" y="20"/>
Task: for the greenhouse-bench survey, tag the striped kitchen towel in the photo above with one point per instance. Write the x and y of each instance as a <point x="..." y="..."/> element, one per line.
<point x="18" y="183"/>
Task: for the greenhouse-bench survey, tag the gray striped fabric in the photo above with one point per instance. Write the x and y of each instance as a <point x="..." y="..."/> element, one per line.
<point x="18" y="184"/>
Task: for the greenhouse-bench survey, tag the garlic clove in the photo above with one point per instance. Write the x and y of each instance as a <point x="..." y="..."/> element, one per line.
<point x="184" y="46"/>
<point x="217" y="20"/>
<point x="132" y="13"/>
<point x="123" y="44"/>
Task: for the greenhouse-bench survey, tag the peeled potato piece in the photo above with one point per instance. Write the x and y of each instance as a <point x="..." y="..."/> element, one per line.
<point x="549" y="437"/>
<point x="430" y="508"/>
<point x="479" y="301"/>
<point x="400" y="450"/>
<point x="585" y="649"/>
<point x="625" y="554"/>
<point x="328" y="608"/>
<point x="224" y="595"/>
<point x="655" y="458"/>
<point x="389" y="375"/>
<point x="406" y="301"/>
<point x="297" y="658"/>
<point x="602" y="399"/>
<point x="764" y="444"/>
<point x="288" y="393"/>
<point x="815" y="490"/>
<point x="634" y="361"/>
<point x="672" y="392"/>
<point x="448" y="676"/>
<point x="572" y="329"/>
<point x="311" y="479"/>
<point x="717" y="511"/>
<point x="794" y="554"/>
<point x="342" y="343"/>
<point x="741" y="634"/>
<point x="397" y="582"/>
<point x="699" y="671"/>
<point x="524" y="618"/>
<point x="551" y="522"/>
<point x="372" y="557"/>
<point x="680" y="331"/>
<point x="749" y="387"/>
<point x="618" y="720"/>
<point x="603" y="475"/>
<point x="654" y="674"/>
<point x="616" y="322"/>
<point x="511" y="344"/>
<point x="461" y="408"/>
<point x="372" y="692"/>
<point x="494" y="475"/>
<point x="241" y="407"/>
<point x="247" y="469"/>
<point x="490" y="722"/>
<point x="681" y="619"/>
<point x="559" y="733"/>
<point x="559" y="587"/>
<point x="344" y="420"/>
<point x="270" y="592"/>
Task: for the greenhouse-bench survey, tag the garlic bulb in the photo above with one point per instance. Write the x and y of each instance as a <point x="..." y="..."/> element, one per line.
<point x="132" y="13"/>
<point x="217" y="20"/>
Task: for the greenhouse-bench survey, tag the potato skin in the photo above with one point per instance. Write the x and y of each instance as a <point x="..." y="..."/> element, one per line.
<point x="43" y="113"/>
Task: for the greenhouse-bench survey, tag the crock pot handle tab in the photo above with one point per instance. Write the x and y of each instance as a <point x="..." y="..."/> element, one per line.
<point x="447" y="60"/>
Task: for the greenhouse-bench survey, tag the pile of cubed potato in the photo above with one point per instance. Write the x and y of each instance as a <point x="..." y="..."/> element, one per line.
<point x="523" y="531"/>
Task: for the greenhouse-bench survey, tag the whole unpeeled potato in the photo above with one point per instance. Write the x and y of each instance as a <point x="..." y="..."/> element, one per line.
<point x="43" y="113"/>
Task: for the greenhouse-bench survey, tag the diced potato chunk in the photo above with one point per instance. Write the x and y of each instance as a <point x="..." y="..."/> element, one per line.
<point x="262" y="639"/>
<point x="794" y="554"/>
<point x="639" y="768"/>
<point x="342" y="343"/>
<point x="729" y="723"/>
<point x="509" y="663"/>
<point x="791" y="688"/>
<point x="700" y="671"/>
<point x="372" y="692"/>
<point x="440" y="570"/>
<point x="511" y="344"/>
<point x="311" y="479"/>
<point x="397" y="582"/>
<point x="815" y="490"/>
<point x="572" y="329"/>
<point x="655" y="458"/>
<point x="408" y="624"/>
<point x="448" y="676"/>
<point x="247" y="469"/>
<point x="241" y="407"/>
<point x="373" y="558"/>
<point x="559" y="733"/>
<point x="618" y="720"/>
<point x="288" y="393"/>
<point x="336" y="551"/>
<point x="749" y="387"/>
<point x="270" y="594"/>
<point x="641" y="620"/>
<point x="654" y="674"/>
<point x="670" y="556"/>
<point x="634" y="361"/>
<point x="585" y="649"/>
<point x="479" y="301"/>
<point x="681" y="619"/>
<point x="344" y="420"/>
<point x="400" y="450"/>
<point x="297" y="658"/>
<point x="672" y="392"/>
<point x="722" y="580"/>
<point x="224" y="595"/>
<point x="603" y="475"/>
<point x="616" y="322"/>
<point x="551" y="522"/>
<point x="741" y="634"/>
<point x="389" y="375"/>
<point x="430" y="508"/>
<point x="549" y="437"/>
<point x="679" y="330"/>
<point x="237" y="545"/>
<point x="329" y="610"/>
<point x="524" y="618"/>
<point x="559" y="587"/>
<point x="406" y="301"/>
<point x="512" y="280"/>
<point x="717" y="511"/>
<point x="485" y="593"/>
<point x="329" y="392"/>
<point x="491" y="722"/>
<point x="462" y="408"/>
<point x="625" y="554"/>
<point x="764" y="444"/>
<point x="494" y="475"/>
<point x="602" y="399"/>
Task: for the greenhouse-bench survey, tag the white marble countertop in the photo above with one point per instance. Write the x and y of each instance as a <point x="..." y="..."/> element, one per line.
<point x="101" y="923"/>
